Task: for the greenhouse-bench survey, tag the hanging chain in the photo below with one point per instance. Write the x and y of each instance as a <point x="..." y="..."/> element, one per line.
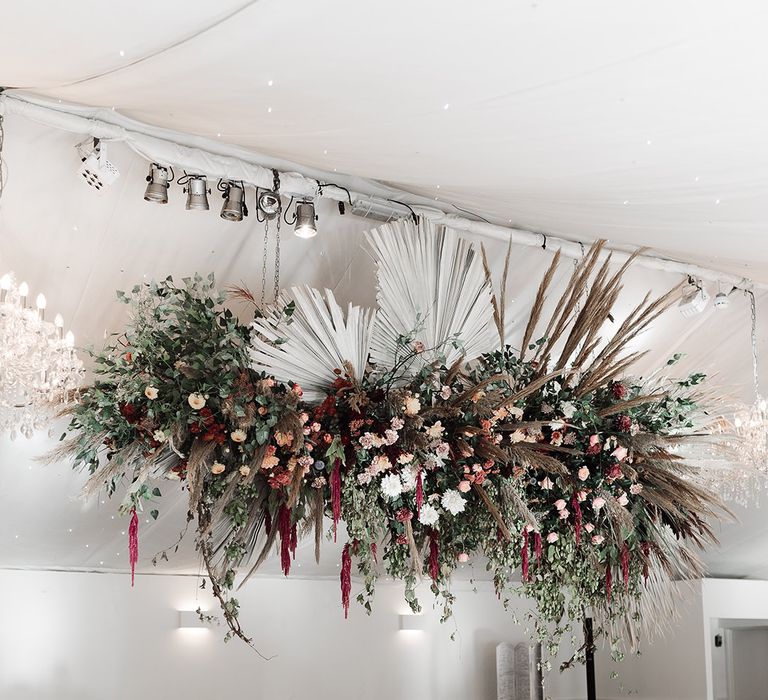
<point x="753" y="318"/>
<point x="277" y="259"/>
<point x="264" y="253"/>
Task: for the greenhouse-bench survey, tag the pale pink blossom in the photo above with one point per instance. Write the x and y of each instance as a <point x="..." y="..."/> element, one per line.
<point x="598" y="503"/>
<point x="552" y="537"/>
<point x="620" y="453"/>
<point x="564" y="514"/>
<point x="622" y="499"/>
<point x="396" y="423"/>
<point x="589" y="527"/>
<point x="597" y="539"/>
<point x="560" y="503"/>
<point x="546" y="483"/>
<point x="584" y="473"/>
<point x="581" y="496"/>
<point x="464" y="486"/>
<point x="445" y="393"/>
<point x="635" y="489"/>
<point x="463" y="557"/>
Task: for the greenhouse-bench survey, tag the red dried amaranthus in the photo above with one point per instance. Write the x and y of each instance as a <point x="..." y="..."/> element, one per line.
<point x="434" y="565"/>
<point x="537" y="546"/>
<point x="576" y="517"/>
<point x="294" y="539"/>
<point x="646" y="549"/>
<point x="284" y="528"/>
<point x="419" y="493"/>
<point x="524" y="555"/>
<point x="608" y="580"/>
<point x="346" y="578"/>
<point x="133" y="544"/>
<point x="336" y="495"/>
<point x="625" y="565"/>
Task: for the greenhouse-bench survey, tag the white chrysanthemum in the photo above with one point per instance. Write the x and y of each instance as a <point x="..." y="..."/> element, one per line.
<point x="408" y="477"/>
<point x="391" y="486"/>
<point x="428" y="514"/>
<point x="453" y="502"/>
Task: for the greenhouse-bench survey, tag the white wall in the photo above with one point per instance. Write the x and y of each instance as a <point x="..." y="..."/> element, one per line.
<point x="86" y="636"/>
<point x="669" y="667"/>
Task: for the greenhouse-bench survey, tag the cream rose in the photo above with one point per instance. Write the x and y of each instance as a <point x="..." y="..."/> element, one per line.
<point x="238" y="435"/>
<point x="151" y="393"/>
<point x="217" y="468"/>
<point x="196" y="401"/>
<point x="245" y="470"/>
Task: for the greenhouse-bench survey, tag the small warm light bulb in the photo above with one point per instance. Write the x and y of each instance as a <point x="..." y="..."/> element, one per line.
<point x="58" y="321"/>
<point x="41" y="302"/>
<point x="23" y="289"/>
<point x="69" y="339"/>
<point x="5" y="282"/>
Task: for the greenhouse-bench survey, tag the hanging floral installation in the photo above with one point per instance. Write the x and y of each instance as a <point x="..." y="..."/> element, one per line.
<point x="416" y="427"/>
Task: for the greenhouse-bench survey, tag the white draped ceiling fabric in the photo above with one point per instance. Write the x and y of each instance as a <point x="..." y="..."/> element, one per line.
<point x="641" y="122"/>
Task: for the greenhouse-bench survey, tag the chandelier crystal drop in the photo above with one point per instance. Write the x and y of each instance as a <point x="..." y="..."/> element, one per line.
<point x="39" y="368"/>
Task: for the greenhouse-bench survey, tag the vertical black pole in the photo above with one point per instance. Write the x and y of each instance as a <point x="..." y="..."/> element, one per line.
<point x="589" y="643"/>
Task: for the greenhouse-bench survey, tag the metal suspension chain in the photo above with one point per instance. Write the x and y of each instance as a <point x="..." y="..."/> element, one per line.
<point x="753" y="318"/>
<point x="264" y="263"/>
<point x="277" y="259"/>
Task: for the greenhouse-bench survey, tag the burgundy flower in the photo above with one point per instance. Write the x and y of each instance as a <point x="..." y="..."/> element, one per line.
<point x="401" y="539"/>
<point x="403" y="515"/>
<point x="624" y="424"/>
<point x="618" y="390"/>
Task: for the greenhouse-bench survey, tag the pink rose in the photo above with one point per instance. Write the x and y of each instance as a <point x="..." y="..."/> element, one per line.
<point x="635" y="489"/>
<point x="620" y="453"/>
<point x="546" y="483"/>
<point x="552" y="537"/>
<point x="589" y="527"/>
<point x="622" y="499"/>
<point x="598" y="503"/>
<point x="584" y="473"/>
<point x="563" y="514"/>
<point x="597" y="539"/>
<point x="464" y="486"/>
<point x="560" y="503"/>
<point x="463" y="557"/>
<point x="594" y="440"/>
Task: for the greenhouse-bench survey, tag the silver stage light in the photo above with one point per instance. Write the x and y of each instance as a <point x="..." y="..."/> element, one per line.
<point x="197" y="193"/>
<point x="305" y="220"/>
<point x="234" y="208"/>
<point x="96" y="170"/>
<point x="269" y="203"/>
<point x="158" y="182"/>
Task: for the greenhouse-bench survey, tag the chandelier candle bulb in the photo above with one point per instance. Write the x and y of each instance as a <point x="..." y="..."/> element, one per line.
<point x="23" y="294"/>
<point x="69" y="339"/>
<point x="40" y="303"/>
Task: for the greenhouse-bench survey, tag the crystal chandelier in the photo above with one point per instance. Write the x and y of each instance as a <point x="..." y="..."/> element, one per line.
<point x="746" y="439"/>
<point x="39" y="368"/>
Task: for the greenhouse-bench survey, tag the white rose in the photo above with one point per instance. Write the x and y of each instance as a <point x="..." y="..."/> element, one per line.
<point x="151" y="393"/>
